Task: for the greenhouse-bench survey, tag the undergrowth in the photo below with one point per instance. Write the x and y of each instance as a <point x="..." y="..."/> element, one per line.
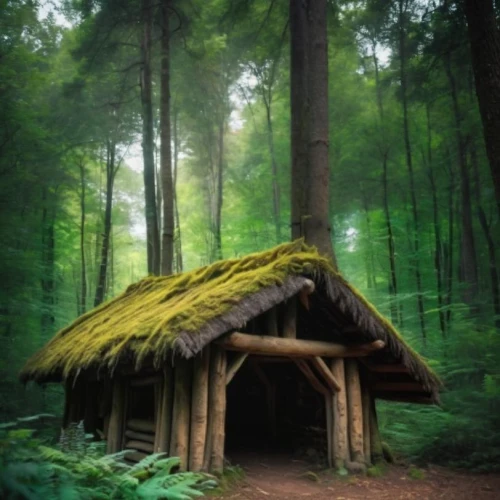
<point x="77" y="470"/>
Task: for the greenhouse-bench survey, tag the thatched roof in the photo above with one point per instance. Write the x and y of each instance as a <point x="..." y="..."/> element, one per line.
<point x="182" y="313"/>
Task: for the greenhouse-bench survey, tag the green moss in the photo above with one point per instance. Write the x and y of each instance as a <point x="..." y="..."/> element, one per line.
<point x="150" y="315"/>
<point x="231" y="476"/>
<point x="416" y="473"/>
<point x="377" y="470"/>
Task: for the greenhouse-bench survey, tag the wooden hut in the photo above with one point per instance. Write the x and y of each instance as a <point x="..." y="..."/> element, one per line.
<point x="261" y="346"/>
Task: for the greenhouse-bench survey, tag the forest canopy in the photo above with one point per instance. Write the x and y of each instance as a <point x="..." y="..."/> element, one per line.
<point x="102" y="166"/>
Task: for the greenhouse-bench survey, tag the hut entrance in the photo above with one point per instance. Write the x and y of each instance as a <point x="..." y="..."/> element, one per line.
<point x="273" y="409"/>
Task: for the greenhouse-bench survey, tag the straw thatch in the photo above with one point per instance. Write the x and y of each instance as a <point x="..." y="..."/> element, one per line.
<point x="182" y="313"/>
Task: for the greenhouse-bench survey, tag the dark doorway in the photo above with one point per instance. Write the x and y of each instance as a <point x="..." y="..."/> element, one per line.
<point x="272" y="409"/>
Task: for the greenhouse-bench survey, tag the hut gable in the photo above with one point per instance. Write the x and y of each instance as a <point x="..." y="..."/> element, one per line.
<point x="180" y="314"/>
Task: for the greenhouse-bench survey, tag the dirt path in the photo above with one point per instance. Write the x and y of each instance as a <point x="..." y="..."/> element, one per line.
<point x="275" y="477"/>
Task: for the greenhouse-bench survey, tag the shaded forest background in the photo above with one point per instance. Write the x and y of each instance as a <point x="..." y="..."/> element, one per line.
<point x="414" y="217"/>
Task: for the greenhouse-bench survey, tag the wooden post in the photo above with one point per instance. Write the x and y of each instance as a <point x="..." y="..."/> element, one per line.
<point x="214" y="450"/>
<point x="290" y="319"/>
<point x="365" y="397"/>
<point x="115" y="433"/>
<point x="329" y="428"/>
<point x="272" y="322"/>
<point x="375" y="441"/>
<point x="340" y="440"/>
<point x="355" y="410"/>
<point x="179" y="445"/>
<point x="199" y="410"/>
<point x="164" y="413"/>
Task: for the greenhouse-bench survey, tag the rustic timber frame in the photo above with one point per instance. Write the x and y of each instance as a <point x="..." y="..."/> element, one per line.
<point x="175" y="400"/>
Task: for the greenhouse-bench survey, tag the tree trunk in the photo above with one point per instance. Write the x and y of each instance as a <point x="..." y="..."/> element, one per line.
<point x="152" y="234"/>
<point x="103" y="268"/>
<point x="484" y="40"/>
<point x="438" y="253"/>
<point x="299" y="113"/>
<point x="48" y="265"/>
<point x="165" y="151"/>
<point x="409" y="164"/>
<point x="218" y="194"/>
<point x="178" y="239"/>
<point x="82" y="306"/>
<point x="468" y="258"/>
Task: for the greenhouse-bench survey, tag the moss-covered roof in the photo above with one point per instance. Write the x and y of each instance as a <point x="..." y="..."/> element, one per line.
<point x="184" y="312"/>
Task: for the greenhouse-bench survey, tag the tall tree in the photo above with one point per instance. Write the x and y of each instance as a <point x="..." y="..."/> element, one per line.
<point x="484" y="38"/>
<point x="309" y="107"/>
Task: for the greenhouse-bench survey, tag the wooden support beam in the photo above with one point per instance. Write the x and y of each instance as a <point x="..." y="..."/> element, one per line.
<point x="140" y="436"/>
<point x="290" y="319"/>
<point x="199" y="410"/>
<point x="145" y="381"/>
<point x="304" y="367"/>
<point x="375" y="441"/>
<point x="365" y="397"/>
<point x="329" y="428"/>
<point x="355" y="410"/>
<point x="398" y="387"/>
<point x="117" y="417"/>
<point x="271" y="321"/>
<point x="271" y="359"/>
<point x="164" y="410"/>
<point x="214" y="450"/>
<point x="137" y="424"/>
<point x="179" y="443"/>
<point x="340" y="436"/>
<point x="140" y="446"/>
<point x="325" y="372"/>
<point x="235" y="365"/>
<point x="259" y="344"/>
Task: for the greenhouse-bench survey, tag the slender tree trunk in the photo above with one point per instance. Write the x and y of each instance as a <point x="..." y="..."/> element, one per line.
<point x="371" y="280"/>
<point x="166" y="153"/>
<point x="274" y="170"/>
<point x="438" y="254"/>
<point x="153" y="240"/>
<point x="448" y="249"/>
<point x="299" y="113"/>
<point x="103" y="268"/>
<point x="82" y="306"/>
<point x="490" y="242"/>
<point x="48" y="265"/>
<point x="178" y="240"/>
<point x="409" y="164"/>
<point x="484" y="37"/>
<point x="218" y="193"/>
<point x="468" y="258"/>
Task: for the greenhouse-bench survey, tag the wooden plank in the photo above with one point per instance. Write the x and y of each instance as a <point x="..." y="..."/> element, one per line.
<point x="259" y="344"/>
<point x="137" y="424"/>
<point x="311" y="377"/>
<point x="179" y="446"/>
<point x="290" y="319"/>
<point x="117" y="417"/>
<point x="355" y="410"/>
<point x="340" y="436"/>
<point x="325" y="372"/>
<point x="145" y="381"/>
<point x="199" y="410"/>
<point x="164" y="414"/>
<point x="365" y="396"/>
<point x="135" y="456"/>
<point x="236" y="364"/>
<point x="214" y="450"/>
<point x="140" y="446"/>
<point x="140" y="436"/>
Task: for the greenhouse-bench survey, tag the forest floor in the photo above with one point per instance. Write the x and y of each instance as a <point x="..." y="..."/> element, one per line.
<point x="273" y="477"/>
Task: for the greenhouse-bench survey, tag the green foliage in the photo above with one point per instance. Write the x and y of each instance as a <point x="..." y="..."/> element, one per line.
<point x="377" y="470"/>
<point x="416" y="473"/>
<point x="31" y="470"/>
